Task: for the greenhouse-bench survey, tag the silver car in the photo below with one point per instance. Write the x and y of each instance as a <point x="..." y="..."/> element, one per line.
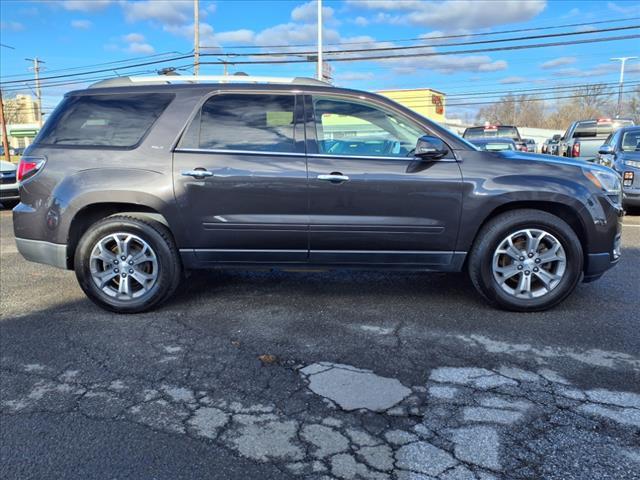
<point x="9" y="196"/>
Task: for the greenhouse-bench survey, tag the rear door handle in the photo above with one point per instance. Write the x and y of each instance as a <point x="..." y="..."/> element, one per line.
<point x="197" y="173"/>
<point x="334" y="177"/>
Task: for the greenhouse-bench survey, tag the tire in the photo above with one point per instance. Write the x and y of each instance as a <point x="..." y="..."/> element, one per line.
<point x="492" y="263"/>
<point x="151" y="255"/>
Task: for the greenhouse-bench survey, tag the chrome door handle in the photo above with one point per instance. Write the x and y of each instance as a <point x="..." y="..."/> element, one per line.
<point x="334" y="177"/>
<point x="197" y="173"/>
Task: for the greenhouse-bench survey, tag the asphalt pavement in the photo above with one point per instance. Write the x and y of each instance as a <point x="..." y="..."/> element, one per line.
<point x="270" y="375"/>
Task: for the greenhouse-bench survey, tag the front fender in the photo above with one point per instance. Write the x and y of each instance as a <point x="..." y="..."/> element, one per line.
<point x="483" y="196"/>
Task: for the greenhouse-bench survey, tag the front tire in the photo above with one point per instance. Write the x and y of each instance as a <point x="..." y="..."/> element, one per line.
<point x="127" y="265"/>
<point x="526" y="260"/>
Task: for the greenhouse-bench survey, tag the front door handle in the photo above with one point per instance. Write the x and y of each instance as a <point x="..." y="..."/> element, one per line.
<point x="334" y="178"/>
<point x="197" y="173"/>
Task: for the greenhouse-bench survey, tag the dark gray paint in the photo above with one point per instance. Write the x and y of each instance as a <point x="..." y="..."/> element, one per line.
<point x="392" y="213"/>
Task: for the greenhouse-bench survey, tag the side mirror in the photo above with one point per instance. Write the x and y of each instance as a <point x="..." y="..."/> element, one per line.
<point x="430" y="148"/>
<point x="606" y="150"/>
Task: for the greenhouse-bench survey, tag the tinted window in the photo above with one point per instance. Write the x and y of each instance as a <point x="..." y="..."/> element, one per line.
<point x="353" y="128"/>
<point x="263" y="123"/>
<point x="631" y="141"/>
<point x="104" y="120"/>
<point x="491" y="131"/>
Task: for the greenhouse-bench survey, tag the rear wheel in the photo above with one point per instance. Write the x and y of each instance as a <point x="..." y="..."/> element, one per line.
<point x="526" y="260"/>
<point x="127" y="265"/>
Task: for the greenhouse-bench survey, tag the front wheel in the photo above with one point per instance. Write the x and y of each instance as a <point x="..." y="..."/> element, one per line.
<point x="526" y="260"/>
<point x="126" y="264"/>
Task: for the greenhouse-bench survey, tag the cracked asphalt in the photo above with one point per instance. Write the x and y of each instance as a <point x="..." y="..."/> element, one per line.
<point x="341" y="375"/>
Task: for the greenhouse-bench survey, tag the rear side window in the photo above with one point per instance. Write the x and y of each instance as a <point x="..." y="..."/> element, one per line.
<point x="104" y="120"/>
<point x="261" y="123"/>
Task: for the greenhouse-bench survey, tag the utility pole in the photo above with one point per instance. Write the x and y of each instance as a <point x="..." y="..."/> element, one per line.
<point x="36" y="71"/>
<point x="5" y="139"/>
<point x="319" y="73"/>
<point x="196" y="37"/>
<point x="623" y="61"/>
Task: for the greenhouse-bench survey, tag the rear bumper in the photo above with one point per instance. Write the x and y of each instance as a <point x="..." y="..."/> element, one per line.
<point x="43" y="252"/>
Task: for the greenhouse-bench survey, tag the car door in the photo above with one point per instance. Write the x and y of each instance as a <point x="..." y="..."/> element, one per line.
<point x="371" y="201"/>
<point x="240" y="179"/>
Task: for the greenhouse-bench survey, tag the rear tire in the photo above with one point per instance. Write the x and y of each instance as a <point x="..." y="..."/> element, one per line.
<point x="541" y="270"/>
<point x="127" y="265"/>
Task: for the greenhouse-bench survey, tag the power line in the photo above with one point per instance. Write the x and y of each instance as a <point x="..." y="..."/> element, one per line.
<point x="431" y="54"/>
<point x="441" y="37"/>
<point x="142" y="64"/>
<point x="541" y="99"/>
<point x="124" y="60"/>
<point x="439" y="45"/>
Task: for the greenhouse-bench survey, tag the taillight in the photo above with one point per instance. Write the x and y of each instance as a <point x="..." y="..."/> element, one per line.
<point x="575" y="150"/>
<point x="29" y="166"/>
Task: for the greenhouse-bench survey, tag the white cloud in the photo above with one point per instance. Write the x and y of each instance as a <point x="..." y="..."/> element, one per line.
<point x="235" y="36"/>
<point x="81" y="24"/>
<point x="454" y="14"/>
<point x="165" y="12"/>
<point x="133" y="38"/>
<point x="558" y="62"/>
<point x="11" y="26"/>
<point x="512" y="80"/>
<point x="361" y="21"/>
<point x="136" y="43"/>
<point x="626" y="10"/>
<point x="142" y="48"/>
<point x="308" y="12"/>
<point x="85" y="5"/>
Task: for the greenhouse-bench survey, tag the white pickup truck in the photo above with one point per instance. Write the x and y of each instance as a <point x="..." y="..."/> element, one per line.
<point x="584" y="137"/>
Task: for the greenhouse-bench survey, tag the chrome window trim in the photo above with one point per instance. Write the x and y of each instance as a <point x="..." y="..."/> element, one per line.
<point x="239" y="152"/>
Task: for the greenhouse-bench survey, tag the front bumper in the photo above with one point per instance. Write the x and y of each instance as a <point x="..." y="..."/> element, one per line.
<point x="631" y="198"/>
<point x="40" y="251"/>
<point x="598" y="263"/>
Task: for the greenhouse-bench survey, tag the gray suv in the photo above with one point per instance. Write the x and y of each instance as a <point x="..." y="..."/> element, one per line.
<point x="134" y="181"/>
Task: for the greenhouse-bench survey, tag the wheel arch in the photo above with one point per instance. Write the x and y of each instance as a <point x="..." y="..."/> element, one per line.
<point x="560" y="210"/>
<point x="92" y="213"/>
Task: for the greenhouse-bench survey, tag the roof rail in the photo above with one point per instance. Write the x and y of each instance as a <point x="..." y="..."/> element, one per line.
<point x="169" y="79"/>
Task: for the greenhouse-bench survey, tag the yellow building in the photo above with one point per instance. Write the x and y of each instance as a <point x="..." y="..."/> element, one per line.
<point x="425" y="101"/>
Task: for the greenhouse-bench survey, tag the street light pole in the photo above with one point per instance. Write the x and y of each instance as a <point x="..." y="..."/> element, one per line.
<point x="623" y="61"/>
<point x="196" y="37"/>
<point x="319" y="73"/>
<point x="36" y="71"/>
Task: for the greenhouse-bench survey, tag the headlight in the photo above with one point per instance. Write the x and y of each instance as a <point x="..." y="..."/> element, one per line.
<point x="608" y="182"/>
<point x="632" y="163"/>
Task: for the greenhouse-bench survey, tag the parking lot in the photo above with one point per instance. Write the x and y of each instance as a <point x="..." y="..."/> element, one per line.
<point x="318" y="375"/>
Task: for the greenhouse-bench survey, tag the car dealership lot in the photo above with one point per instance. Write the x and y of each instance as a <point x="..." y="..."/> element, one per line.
<point x="312" y="375"/>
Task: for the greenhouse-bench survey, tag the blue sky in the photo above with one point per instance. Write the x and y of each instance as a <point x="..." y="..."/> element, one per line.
<point x="68" y="34"/>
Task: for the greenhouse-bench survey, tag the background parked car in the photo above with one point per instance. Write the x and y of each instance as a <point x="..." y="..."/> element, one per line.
<point x="530" y="143"/>
<point x="497" y="131"/>
<point x="584" y="137"/>
<point x="621" y="152"/>
<point x="9" y="196"/>
<point x="550" y="144"/>
<point x="494" y="144"/>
